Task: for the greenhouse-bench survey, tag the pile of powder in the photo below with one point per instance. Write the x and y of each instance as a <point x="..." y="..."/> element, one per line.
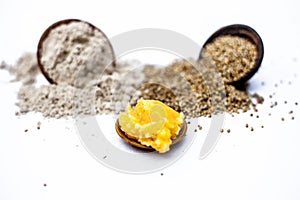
<point x="55" y="100"/>
<point x="78" y="59"/>
<point x="186" y="85"/>
<point x="115" y="91"/>
<point x="25" y="70"/>
<point x="110" y="94"/>
<point x="75" y="53"/>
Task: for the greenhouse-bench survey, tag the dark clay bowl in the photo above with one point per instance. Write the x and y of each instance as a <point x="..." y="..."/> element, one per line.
<point x="134" y="142"/>
<point x="45" y="35"/>
<point x="245" y="32"/>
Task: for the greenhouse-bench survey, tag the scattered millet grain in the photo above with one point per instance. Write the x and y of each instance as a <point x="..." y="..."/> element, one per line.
<point x="247" y="125"/>
<point x="192" y="87"/>
<point x="228" y="130"/>
<point x="26" y="130"/>
<point x="197" y="89"/>
<point x="185" y="85"/>
<point x="222" y="130"/>
<point x="259" y="99"/>
<point x="251" y="129"/>
<point x="200" y="127"/>
<point x="38" y="126"/>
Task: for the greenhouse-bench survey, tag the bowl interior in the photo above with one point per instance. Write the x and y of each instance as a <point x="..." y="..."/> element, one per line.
<point x="245" y="32"/>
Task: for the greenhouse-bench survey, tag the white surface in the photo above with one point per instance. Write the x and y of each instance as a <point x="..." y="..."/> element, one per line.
<point x="263" y="164"/>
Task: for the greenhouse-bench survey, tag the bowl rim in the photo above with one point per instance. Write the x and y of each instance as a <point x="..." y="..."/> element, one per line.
<point x="47" y="32"/>
<point x="134" y="142"/>
<point x="244" y="31"/>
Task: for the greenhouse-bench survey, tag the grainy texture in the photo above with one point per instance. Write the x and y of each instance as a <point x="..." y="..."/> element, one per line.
<point x="196" y="89"/>
<point x="158" y="92"/>
<point x="234" y="56"/>
<point x="186" y="85"/>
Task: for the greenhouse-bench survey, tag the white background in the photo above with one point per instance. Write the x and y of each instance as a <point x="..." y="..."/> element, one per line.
<point x="263" y="164"/>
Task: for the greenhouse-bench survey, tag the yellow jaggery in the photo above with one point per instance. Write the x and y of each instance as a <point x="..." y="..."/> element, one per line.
<point x="152" y="123"/>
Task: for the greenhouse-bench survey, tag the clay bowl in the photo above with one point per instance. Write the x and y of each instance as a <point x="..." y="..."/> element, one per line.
<point x="45" y="35"/>
<point x="245" y="32"/>
<point x="134" y="142"/>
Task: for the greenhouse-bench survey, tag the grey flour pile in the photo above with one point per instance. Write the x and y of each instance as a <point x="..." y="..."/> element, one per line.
<point x="64" y="100"/>
<point x="85" y="79"/>
<point x="181" y="85"/>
